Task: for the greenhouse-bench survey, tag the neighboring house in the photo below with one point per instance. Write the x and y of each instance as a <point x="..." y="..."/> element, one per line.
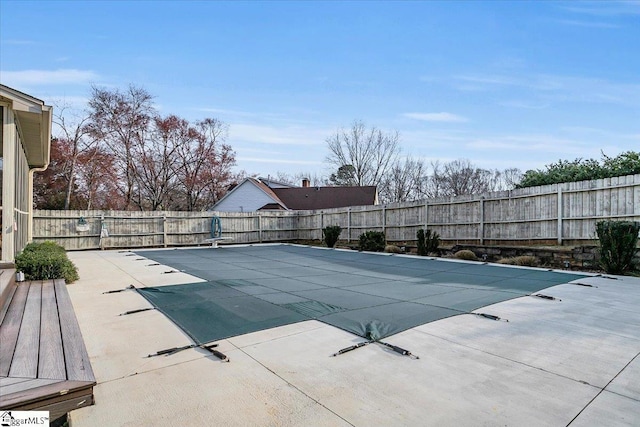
<point x="256" y="194"/>
<point x="25" y="141"/>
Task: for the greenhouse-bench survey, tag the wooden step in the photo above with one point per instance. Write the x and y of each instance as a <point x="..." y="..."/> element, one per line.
<point x="7" y="288"/>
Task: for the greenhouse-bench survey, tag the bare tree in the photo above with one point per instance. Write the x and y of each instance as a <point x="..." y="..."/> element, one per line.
<point x="157" y="160"/>
<point x="461" y="177"/>
<point x="511" y="177"/>
<point x="73" y="129"/>
<point x="120" y="120"/>
<point x="97" y="178"/>
<point x="370" y="152"/>
<point x="404" y="181"/>
<point x="205" y="162"/>
<point x="315" y="179"/>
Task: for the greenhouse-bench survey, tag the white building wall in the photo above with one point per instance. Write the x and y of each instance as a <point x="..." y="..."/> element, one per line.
<point x="244" y="198"/>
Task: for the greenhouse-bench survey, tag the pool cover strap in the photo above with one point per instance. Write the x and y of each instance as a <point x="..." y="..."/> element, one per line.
<point x="209" y="347"/>
<point x="115" y="291"/>
<point x="394" y="348"/>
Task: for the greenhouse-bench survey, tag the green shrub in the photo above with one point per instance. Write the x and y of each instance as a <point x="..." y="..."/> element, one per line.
<point x="617" y="245"/>
<point x="428" y="242"/>
<point x="44" y="261"/>
<point x="466" y="254"/>
<point x="422" y="248"/>
<point x="392" y="249"/>
<point x="524" y="260"/>
<point x="331" y="234"/>
<point x="46" y="246"/>
<point x="372" y="241"/>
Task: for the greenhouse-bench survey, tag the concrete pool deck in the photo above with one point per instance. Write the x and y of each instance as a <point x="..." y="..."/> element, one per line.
<point x="573" y="361"/>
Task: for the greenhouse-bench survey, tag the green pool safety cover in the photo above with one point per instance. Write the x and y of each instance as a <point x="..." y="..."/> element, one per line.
<point x="252" y="288"/>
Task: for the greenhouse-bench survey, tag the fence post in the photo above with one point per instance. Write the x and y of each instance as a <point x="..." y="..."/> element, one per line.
<point x="384" y="219"/>
<point x="101" y="241"/>
<point x="349" y="225"/>
<point x="164" y="229"/>
<point x="481" y="228"/>
<point x="426" y="215"/>
<point x="321" y="223"/>
<point x="260" y="227"/>
<point x="560" y="214"/>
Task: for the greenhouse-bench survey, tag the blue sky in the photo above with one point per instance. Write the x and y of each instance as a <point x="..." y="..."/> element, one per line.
<point x="504" y="84"/>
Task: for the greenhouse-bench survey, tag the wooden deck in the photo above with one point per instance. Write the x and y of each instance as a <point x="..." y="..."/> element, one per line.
<point x="43" y="361"/>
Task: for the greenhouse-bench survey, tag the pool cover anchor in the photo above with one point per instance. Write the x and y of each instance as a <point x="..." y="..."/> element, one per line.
<point x="490" y="317"/>
<point x="543" y="296"/>
<point x="351" y="348"/>
<point x="394" y="348"/>
<point x="586" y="285"/>
<point x="210" y="348"/>
<point x="399" y="350"/>
<point x="140" y="310"/>
<point x="119" y="290"/>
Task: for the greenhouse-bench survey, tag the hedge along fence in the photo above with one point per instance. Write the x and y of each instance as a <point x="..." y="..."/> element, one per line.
<point x="552" y="214"/>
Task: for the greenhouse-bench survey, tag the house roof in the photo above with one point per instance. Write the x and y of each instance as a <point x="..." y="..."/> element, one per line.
<point x="34" y="120"/>
<point x="277" y="203"/>
<point x="311" y="198"/>
<point x="272" y="207"/>
<point x="269" y="191"/>
<point x="275" y="184"/>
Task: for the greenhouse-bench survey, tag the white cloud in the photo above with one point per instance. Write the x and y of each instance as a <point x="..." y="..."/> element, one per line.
<point x="436" y="117"/>
<point x="588" y="24"/>
<point x="557" y="88"/>
<point x="606" y="8"/>
<point x="47" y="77"/>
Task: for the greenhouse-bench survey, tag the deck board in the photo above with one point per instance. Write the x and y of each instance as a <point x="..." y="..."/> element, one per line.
<point x="10" y="328"/>
<point x="5" y="381"/>
<point x="76" y="357"/>
<point x="27" y="385"/>
<point x="7" y="288"/>
<point x="55" y="391"/>
<point x="51" y="364"/>
<point x="44" y="364"/>
<point x="25" y="357"/>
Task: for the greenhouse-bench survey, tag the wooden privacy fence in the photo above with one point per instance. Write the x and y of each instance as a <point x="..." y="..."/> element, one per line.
<point x="552" y="214"/>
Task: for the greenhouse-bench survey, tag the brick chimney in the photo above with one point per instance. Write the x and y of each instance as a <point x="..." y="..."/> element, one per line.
<point x="306" y="182"/>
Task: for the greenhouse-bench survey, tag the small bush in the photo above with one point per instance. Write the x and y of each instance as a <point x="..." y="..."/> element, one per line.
<point x="392" y="249"/>
<point x="428" y="242"/>
<point x="331" y="234"/>
<point x="466" y="254"/>
<point x="617" y="245"/>
<point x="524" y="260"/>
<point x="372" y="241"/>
<point x="422" y="248"/>
<point x="46" y="246"/>
<point x="44" y="261"/>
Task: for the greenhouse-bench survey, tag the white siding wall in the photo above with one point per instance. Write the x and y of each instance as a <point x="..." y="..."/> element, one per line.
<point x="244" y="198"/>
